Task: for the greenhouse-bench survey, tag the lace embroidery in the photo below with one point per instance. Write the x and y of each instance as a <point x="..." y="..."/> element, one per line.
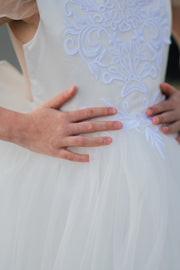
<point x="121" y="40"/>
<point x="141" y="123"/>
<point x="96" y="35"/>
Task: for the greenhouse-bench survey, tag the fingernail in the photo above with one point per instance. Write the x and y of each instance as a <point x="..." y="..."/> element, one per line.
<point x="150" y="111"/>
<point x="112" y="110"/>
<point x="107" y="140"/>
<point x="117" y="124"/>
<point x="70" y="90"/>
<point x="156" y="120"/>
<point x="165" y="129"/>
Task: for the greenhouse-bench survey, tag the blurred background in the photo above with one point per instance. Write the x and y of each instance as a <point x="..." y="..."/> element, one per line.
<point x="173" y="68"/>
<point x="6" y="48"/>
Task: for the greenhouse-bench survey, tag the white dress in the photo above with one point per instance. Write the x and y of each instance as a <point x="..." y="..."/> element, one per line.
<point x="121" y="210"/>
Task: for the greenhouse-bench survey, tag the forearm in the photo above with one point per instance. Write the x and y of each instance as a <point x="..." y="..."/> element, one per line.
<point x="176" y="23"/>
<point x="11" y="125"/>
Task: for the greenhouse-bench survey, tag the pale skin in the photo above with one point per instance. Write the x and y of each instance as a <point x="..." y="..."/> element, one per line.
<point x="50" y="131"/>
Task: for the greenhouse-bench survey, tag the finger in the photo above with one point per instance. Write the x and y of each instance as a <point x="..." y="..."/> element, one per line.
<point x="178" y="138"/>
<point x="167" y="117"/>
<point x="161" y="107"/>
<point x="172" y="128"/>
<point x="93" y="126"/>
<point x="167" y="89"/>
<point x="86" y="141"/>
<point x="88" y="113"/>
<point x="69" y="155"/>
<point x="58" y="100"/>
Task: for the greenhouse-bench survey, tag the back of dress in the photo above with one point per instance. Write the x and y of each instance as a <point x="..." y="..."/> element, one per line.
<point x="114" y="51"/>
<point x="120" y="210"/>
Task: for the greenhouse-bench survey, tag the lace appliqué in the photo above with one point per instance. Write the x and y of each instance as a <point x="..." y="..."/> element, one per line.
<point x="141" y="123"/>
<point x="97" y="35"/>
<point x="121" y="40"/>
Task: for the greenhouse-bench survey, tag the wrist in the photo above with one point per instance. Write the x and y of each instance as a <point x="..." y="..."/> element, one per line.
<point x="12" y="125"/>
<point x="18" y="128"/>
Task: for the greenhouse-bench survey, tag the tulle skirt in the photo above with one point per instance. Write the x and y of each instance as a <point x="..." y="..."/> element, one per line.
<point x="120" y="211"/>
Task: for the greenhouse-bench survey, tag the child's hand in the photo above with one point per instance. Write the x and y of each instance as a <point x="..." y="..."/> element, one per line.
<point x="48" y="130"/>
<point x="167" y="112"/>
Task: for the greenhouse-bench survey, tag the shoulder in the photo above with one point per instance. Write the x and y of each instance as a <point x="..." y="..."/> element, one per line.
<point x="25" y="29"/>
<point x="17" y="9"/>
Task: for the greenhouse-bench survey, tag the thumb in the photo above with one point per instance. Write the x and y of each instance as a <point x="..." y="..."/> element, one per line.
<point x="58" y="100"/>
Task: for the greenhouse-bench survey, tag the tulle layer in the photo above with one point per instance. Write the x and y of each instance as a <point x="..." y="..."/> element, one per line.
<point x="119" y="211"/>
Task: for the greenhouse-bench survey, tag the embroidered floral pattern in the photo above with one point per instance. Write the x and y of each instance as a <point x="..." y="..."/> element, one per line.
<point x="121" y="40"/>
<point x="141" y="123"/>
<point x="96" y="35"/>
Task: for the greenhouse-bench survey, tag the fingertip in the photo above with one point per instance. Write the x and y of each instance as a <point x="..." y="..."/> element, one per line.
<point x="164" y="129"/>
<point x="87" y="159"/>
<point x="167" y="87"/>
<point x="178" y="139"/>
<point x="107" y="140"/>
<point x="165" y="84"/>
<point x="72" y="89"/>
<point x="149" y="111"/>
<point x="155" y="120"/>
<point x="84" y="158"/>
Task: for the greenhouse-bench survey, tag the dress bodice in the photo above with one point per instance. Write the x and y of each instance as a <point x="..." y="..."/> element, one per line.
<point x="114" y="51"/>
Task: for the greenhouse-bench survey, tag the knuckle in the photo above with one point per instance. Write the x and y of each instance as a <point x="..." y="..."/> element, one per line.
<point x="155" y="108"/>
<point x="66" y="129"/>
<point x="68" y="156"/>
<point x="63" y="117"/>
<point x="106" y="110"/>
<point x="160" y="107"/>
<point x="79" y="141"/>
<point x="170" y="129"/>
<point x="90" y="126"/>
<point x="75" y="128"/>
<point x="174" y="101"/>
<point x="100" y="140"/>
<point x="64" y="155"/>
<point x="82" y="158"/>
<point x="162" y="118"/>
<point x="170" y="103"/>
<point x="112" y="125"/>
<point x="107" y="125"/>
<point x="89" y="112"/>
<point x="66" y="115"/>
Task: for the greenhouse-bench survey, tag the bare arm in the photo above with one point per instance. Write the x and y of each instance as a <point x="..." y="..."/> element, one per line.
<point x="176" y="20"/>
<point x="47" y="130"/>
<point x="11" y="124"/>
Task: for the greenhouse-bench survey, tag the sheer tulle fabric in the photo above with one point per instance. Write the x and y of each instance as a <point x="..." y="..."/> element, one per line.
<point x="100" y="215"/>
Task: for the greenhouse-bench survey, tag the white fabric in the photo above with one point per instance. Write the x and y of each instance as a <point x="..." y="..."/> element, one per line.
<point x="17" y="9"/>
<point x="121" y="210"/>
